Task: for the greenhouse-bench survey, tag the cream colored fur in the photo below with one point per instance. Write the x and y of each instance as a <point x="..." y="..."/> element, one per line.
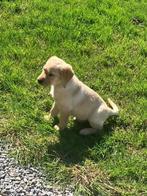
<point x="73" y="97"/>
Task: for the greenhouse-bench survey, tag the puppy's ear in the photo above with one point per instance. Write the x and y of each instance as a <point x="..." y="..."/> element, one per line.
<point x="66" y="73"/>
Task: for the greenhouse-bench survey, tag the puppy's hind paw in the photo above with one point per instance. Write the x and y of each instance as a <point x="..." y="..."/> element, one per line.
<point x="88" y="131"/>
<point x="57" y="127"/>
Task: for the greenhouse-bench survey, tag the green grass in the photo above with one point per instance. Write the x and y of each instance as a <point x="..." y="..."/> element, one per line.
<point x="105" y="42"/>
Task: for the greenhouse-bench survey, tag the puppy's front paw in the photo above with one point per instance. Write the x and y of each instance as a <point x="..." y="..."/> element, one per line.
<point x="57" y="127"/>
<point x="74" y="118"/>
<point x="47" y="117"/>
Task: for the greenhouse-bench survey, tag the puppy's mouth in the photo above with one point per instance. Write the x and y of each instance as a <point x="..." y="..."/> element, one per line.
<point x="41" y="80"/>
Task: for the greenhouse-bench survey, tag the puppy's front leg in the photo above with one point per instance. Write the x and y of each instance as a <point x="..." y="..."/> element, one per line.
<point x="62" y="121"/>
<point x="53" y="112"/>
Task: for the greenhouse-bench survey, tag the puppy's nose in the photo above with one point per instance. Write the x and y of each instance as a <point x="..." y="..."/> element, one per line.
<point x="40" y="81"/>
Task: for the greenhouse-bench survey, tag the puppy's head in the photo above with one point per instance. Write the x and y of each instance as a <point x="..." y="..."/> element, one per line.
<point x="55" y="72"/>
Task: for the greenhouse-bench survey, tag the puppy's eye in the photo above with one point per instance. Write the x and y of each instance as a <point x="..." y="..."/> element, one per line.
<point x="50" y="74"/>
<point x="45" y="70"/>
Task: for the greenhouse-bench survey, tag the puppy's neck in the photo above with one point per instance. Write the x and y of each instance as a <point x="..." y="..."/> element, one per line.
<point x="70" y="86"/>
<point x="71" y="82"/>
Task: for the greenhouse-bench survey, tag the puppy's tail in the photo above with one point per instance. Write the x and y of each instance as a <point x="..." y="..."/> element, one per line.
<point x="114" y="108"/>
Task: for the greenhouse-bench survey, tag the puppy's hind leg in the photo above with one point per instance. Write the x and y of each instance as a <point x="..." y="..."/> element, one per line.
<point x="96" y="128"/>
<point x="96" y="125"/>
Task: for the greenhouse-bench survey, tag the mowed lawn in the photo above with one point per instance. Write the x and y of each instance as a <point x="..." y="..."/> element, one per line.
<point x="105" y="42"/>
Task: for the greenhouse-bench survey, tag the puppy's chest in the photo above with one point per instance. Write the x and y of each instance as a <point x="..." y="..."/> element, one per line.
<point x="63" y="98"/>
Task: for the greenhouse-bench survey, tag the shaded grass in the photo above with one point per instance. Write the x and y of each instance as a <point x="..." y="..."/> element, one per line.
<point x="105" y="41"/>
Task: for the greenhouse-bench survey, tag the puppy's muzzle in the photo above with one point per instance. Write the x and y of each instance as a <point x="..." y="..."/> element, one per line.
<point x="40" y="80"/>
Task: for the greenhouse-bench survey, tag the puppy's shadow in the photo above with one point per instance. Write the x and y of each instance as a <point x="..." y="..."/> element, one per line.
<point x="74" y="148"/>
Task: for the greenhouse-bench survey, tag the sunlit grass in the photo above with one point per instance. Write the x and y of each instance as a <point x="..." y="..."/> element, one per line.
<point x="105" y="42"/>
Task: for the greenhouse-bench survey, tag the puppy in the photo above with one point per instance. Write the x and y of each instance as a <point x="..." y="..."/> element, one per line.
<point x="72" y="97"/>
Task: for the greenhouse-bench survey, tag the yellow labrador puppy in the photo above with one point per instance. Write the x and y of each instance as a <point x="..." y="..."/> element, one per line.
<point x="72" y="97"/>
